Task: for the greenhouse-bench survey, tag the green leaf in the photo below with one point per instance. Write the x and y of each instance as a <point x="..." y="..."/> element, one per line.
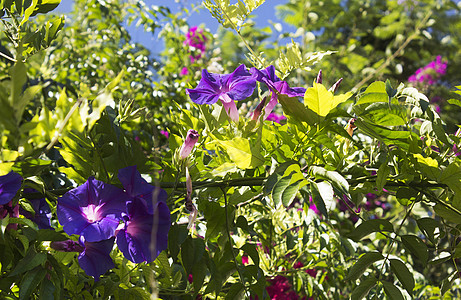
<point x="403" y="274"/>
<point x="405" y="195"/>
<point x="428" y="227"/>
<point x="243" y="153"/>
<point x="51" y="235"/>
<point x="250" y="249"/>
<point x="362" y="264"/>
<point x="192" y="251"/>
<point x="322" y="196"/>
<point x="391" y="291"/>
<point x="47" y="289"/>
<point x="455" y="102"/>
<point x="28" y="262"/>
<point x="447" y="214"/>
<point x="336" y="179"/>
<point x="45" y="6"/>
<point x="235" y="292"/>
<point x="199" y="271"/>
<point x="18" y="79"/>
<point x="381" y="178"/>
<point x="30" y="281"/>
<point x="416" y="247"/>
<point x="295" y="109"/>
<point x="370" y="226"/>
<point x="363" y="288"/>
<point x="375" y="92"/>
<point x="28" y="12"/>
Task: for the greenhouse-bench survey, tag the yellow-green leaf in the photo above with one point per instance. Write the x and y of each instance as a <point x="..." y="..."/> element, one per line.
<point x="321" y="101"/>
<point x="242" y="153"/>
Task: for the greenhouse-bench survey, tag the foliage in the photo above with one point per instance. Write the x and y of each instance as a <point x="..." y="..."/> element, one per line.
<point x="354" y="194"/>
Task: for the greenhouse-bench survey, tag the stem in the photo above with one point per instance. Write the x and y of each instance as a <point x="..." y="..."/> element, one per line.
<point x="232" y="244"/>
<point x="393" y="239"/>
<point x="7" y="57"/>
<point x="393" y="56"/>
<point x="241" y="37"/>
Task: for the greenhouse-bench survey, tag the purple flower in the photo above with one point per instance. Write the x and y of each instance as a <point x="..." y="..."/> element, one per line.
<point x="275" y="84"/>
<point x="135" y="238"/>
<point x="9" y="186"/>
<point x="92" y="210"/>
<point x="42" y="210"/>
<point x="9" y="210"/>
<point x="237" y="85"/>
<point x="137" y="187"/>
<point x="67" y="246"/>
<point x="95" y="260"/>
<point x="189" y="143"/>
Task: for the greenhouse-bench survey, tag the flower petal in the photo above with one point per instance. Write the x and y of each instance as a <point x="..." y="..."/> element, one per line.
<point x="95" y="260"/>
<point x="9" y="186"/>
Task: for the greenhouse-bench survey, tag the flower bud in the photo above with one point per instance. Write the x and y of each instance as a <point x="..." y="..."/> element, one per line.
<point x="189" y="143"/>
<point x="67" y="246"/>
<point x="319" y="77"/>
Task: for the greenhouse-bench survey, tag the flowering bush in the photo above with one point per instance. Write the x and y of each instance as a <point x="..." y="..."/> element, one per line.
<point x="233" y="179"/>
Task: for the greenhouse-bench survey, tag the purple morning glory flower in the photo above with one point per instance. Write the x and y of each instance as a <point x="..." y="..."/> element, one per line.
<point x="9" y="186"/>
<point x="237" y="85"/>
<point x="135" y="238"/>
<point x="136" y="187"/>
<point x="42" y="210"/>
<point x="95" y="260"/>
<point x="92" y="210"/>
<point x="275" y="84"/>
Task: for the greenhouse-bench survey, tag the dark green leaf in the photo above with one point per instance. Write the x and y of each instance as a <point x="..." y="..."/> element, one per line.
<point x="381" y="178"/>
<point x="391" y="291"/>
<point x="30" y="281"/>
<point x="199" y="271"/>
<point x="30" y="261"/>
<point x="51" y="235"/>
<point x="362" y="264"/>
<point x="192" y="251"/>
<point x="405" y="195"/>
<point x="47" y="289"/>
<point x="370" y="226"/>
<point x="250" y="249"/>
<point x="428" y="226"/>
<point x="363" y="288"/>
<point x="403" y="274"/>
<point x="416" y="247"/>
<point x="235" y="292"/>
<point x="448" y="214"/>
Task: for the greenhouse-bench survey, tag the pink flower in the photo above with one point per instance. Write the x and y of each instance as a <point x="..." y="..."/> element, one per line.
<point x="431" y="73"/>
<point x="165" y="133"/>
<point x="184" y="71"/>
<point x="189" y="143"/>
<point x="276" y="118"/>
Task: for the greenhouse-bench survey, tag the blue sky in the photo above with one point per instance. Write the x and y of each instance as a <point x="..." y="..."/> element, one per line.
<point x="263" y="14"/>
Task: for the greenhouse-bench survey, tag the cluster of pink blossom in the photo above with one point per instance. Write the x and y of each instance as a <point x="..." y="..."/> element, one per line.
<point x="196" y="39"/>
<point x="429" y="74"/>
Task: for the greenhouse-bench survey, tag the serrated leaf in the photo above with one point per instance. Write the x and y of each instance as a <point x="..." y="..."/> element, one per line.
<point x="370" y="226"/>
<point x="391" y="291"/>
<point x="362" y="264"/>
<point x="363" y="288"/>
<point x="403" y="274"/>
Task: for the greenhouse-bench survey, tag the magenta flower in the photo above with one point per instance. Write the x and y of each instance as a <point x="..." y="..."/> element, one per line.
<point x="95" y="260"/>
<point x="92" y="210"/>
<point x="431" y="73"/>
<point x="9" y="186"/>
<point x="197" y="40"/>
<point x="275" y="118"/>
<point x="189" y="143"/>
<point x="275" y="84"/>
<point x="227" y="88"/>
<point x="165" y="133"/>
